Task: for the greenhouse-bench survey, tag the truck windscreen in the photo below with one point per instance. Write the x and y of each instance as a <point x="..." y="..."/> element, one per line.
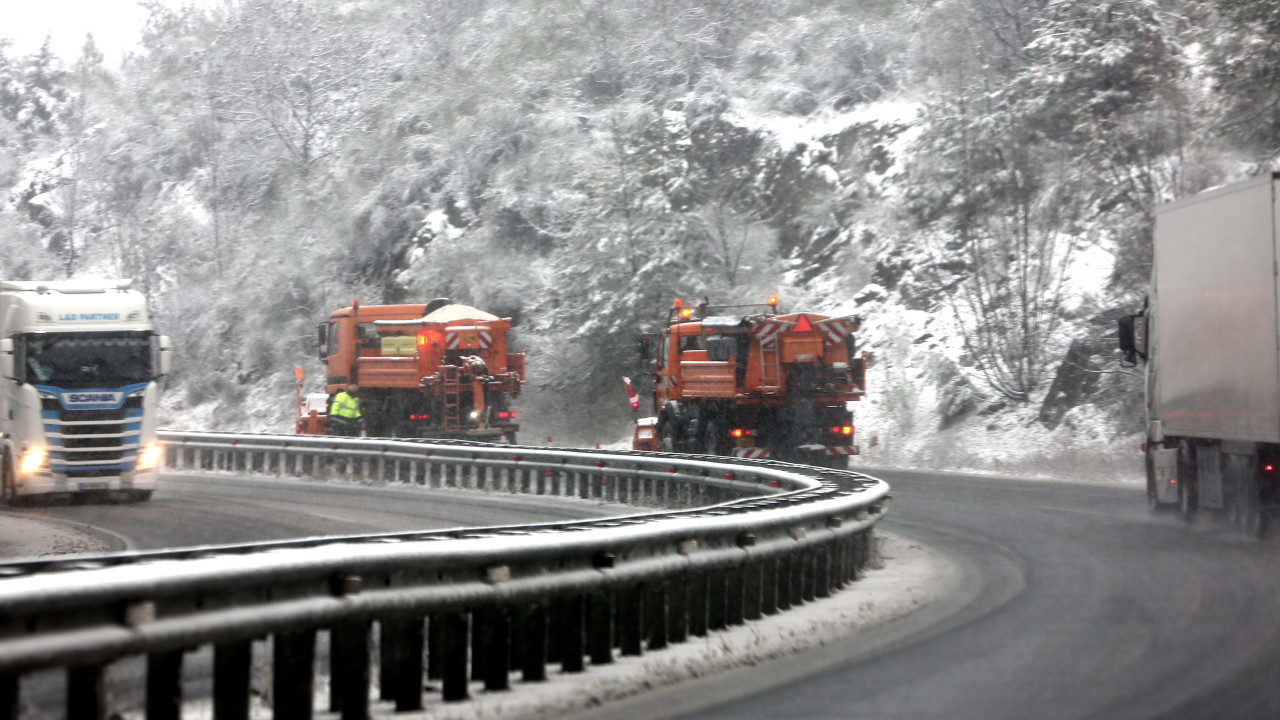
<point x="87" y="360"/>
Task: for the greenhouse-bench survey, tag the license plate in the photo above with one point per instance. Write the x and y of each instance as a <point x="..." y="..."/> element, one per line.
<point x="94" y="486"/>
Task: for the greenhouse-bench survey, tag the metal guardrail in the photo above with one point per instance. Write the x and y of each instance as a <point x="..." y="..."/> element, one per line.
<point x="719" y="541"/>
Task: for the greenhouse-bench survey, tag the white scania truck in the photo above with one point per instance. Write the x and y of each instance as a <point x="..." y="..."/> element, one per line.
<point x="1212" y="351"/>
<point x="79" y="370"/>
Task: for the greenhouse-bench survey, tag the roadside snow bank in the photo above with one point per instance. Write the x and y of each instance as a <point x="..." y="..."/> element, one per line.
<point x="27" y="537"/>
<point x="903" y="578"/>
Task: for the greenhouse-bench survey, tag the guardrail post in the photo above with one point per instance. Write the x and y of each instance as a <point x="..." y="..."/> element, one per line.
<point x="434" y="652"/>
<point x="555" y="630"/>
<point x="86" y="699"/>
<point x="656" y="612"/>
<point x="600" y="627"/>
<point x="533" y="650"/>
<point x="292" y="675"/>
<point x="862" y="551"/>
<point x="678" y="609"/>
<point x="839" y="561"/>
<point x="571" y="640"/>
<point x="822" y="575"/>
<point x="769" y="586"/>
<point x="631" y="619"/>
<point x="453" y="655"/>
<point x="734" y="592"/>
<point x="164" y="685"/>
<point x="697" y="588"/>
<point x="716" y="600"/>
<point x="231" y="664"/>
<point x="810" y="562"/>
<point x="782" y="582"/>
<point x="349" y="669"/>
<point x="795" y="584"/>
<point x="9" y="697"/>
<point x="477" y="645"/>
<point x="495" y="637"/>
<point x="406" y="638"/>
<point x="400" y="642"/>
<point x="752" y="590"/>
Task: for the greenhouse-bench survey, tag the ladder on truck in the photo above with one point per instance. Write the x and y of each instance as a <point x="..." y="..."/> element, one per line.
<point x="770" y="365"/>
<point x="452" y="419"/>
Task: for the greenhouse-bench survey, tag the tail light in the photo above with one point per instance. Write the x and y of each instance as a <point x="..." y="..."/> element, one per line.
<point x="506" y="414"/>
<point x="741" y="432"/>
<point x="842" y="430"/>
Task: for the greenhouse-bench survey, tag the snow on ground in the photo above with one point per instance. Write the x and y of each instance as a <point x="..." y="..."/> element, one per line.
<point x="24" y="537"/>
<point x="904" y="577"/>
<point x="1082" y="448"/>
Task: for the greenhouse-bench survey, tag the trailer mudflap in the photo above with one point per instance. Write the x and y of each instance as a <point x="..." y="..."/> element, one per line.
<point x="1165" y="464"/>
<point x="1209" y="478"/>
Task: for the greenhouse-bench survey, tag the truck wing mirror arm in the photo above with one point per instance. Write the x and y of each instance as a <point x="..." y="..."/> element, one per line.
<point x="6" y="360"/>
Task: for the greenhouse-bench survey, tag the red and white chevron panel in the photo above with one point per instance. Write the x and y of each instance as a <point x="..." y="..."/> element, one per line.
<point x="751" y="452"/>
<point x="456" y="337"/>
<point x="766" y="332"/>
<point x="834" y="330"/>
<point x="842" y="450"/>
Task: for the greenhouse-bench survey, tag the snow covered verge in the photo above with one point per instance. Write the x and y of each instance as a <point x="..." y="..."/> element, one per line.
<point x="26" y="537"/>
<point x="904" y="578"/>
<point x="1006" y="445"/>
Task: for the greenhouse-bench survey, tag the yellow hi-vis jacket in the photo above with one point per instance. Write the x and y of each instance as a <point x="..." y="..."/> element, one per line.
<point x="345" y="405"/>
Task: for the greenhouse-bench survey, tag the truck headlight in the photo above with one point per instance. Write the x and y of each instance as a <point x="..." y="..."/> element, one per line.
<point x="33" y="460"/>
<point x="149" y="459"/>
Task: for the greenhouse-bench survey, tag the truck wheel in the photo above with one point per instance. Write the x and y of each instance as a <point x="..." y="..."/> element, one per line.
<point x="1255" y="519"/>
<point x="1231" y="502"/>
<point x="715" y="444"/>
<point x="667" y="437"/>
<point x="1188" y="497"/>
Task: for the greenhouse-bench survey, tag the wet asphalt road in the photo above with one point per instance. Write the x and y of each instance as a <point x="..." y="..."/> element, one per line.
<point x="196" y="510"/>
<point x="1077" y="603"/>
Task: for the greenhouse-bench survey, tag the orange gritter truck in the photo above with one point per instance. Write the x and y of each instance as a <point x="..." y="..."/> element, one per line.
<point x="743" y="380"/>
<point x="440" y="370"/>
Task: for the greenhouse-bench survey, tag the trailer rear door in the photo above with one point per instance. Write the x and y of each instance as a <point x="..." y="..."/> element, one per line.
<point x="1215" y="321"/>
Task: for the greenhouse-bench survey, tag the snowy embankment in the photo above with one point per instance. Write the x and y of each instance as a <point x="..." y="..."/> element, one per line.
<point x="903" y="578"/>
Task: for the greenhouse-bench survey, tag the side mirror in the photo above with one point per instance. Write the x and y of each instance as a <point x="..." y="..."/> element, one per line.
<point x="644" y="347"/>
<point x="6" y="359"/>
<point x="322" y="335"/>
<point x="166" y="352"/>
<point x="1129" y="350"/>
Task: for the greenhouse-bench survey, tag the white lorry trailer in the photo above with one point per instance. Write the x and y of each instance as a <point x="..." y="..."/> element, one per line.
<point x="1212" y="351"/>
<point x="79" y="365"/>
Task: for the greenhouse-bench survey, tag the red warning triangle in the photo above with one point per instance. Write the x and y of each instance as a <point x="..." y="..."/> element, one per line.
<point x="803" y="325"/>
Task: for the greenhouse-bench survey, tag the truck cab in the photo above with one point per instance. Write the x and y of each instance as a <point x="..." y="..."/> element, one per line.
<point x="80" y="364"/>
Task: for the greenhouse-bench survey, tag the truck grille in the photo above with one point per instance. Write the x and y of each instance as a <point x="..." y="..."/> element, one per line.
<point x="92" y="443"/>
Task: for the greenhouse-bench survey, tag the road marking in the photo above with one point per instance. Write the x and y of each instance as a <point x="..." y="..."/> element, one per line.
<point x="1076" y="510"/>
